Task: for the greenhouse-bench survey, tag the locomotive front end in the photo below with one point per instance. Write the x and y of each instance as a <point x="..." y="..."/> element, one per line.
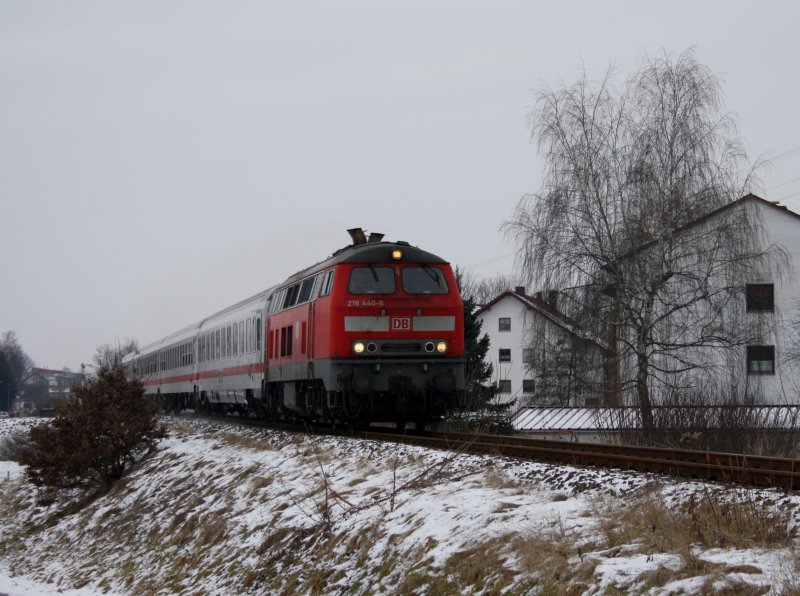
<point x="398" y="355"/>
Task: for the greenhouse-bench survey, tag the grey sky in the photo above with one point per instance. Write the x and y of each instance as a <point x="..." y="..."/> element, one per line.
<point x="161" y="160"/>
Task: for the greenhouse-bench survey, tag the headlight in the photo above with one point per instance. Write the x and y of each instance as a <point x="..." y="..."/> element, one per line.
<point x="441" y="347"/>
<point x="358" y="347"/>
<point x="397" y="254"/>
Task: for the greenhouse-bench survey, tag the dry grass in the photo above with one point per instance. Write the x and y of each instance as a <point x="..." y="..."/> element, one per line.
<point x="729" y="519"/>
<point x="259" y="483"/>
<point x="498" y="480"/>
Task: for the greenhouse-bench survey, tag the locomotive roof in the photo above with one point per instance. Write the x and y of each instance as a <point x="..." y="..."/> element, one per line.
<point x="374" y="252"/>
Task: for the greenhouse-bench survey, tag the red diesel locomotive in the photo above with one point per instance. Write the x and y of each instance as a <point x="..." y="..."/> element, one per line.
<point x="373" y="333"/>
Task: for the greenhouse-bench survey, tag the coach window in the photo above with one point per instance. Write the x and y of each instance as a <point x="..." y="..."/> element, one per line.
<point x="760" y="297"/>
<point x="236" y="339"/>
<point x="424" y="280"/>
<point x="327" y="283"/>
<point x="216" y="344"/>
<point x="258" y="334"/>
<point x="372" y="280"/>
<point x="760" y="360"/>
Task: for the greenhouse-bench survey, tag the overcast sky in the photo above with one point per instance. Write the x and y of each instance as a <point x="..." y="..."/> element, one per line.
<point x="162" y="160"/>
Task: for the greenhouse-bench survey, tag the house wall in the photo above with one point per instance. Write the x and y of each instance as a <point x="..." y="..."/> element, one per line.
<point x="781" y="228"/>
<point x="719" y="374"/>
<point x="561" y="369"/>
<point x="514" y="340"/>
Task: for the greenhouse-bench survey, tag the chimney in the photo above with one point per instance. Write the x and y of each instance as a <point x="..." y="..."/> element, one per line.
<point x="538" y="295"/>
<point x="520" y="290"/>
<point x="552" y="299"/>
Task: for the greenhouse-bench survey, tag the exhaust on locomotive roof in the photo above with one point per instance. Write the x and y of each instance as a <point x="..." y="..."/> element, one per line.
<point x="358" y="236"/>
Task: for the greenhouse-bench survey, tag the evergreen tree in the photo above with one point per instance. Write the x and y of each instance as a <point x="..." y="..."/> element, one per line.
<point x="7" y="385"/>
<point x="478" y="370"/>
<point x="96" y="436"/>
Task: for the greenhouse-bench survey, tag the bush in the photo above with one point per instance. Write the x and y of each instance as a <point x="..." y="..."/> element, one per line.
<point x="95" y="436"/>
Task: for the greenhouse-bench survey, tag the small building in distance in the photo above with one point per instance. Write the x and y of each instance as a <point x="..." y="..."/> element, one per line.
<point x="540" y="356"/>
<point x="44" y="388"/>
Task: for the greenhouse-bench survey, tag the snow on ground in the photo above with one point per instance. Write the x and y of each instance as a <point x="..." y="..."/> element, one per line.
<point x="222" y="509"/>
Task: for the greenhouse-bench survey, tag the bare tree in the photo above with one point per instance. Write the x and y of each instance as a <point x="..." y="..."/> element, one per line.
<point x="110" y="355"/>
<point x="622" y="223"/>
<point x="18" y="361"/>
<point x="483" y="290"/>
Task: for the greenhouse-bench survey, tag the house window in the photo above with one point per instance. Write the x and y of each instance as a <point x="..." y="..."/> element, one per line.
<point x="504" y="386"/>
<point x="760" y="360"/>
<point x="528" y="386"/>
<point x="505" y="355"/>
<point x="504" y="324"/>
<point x="760" y="297"/>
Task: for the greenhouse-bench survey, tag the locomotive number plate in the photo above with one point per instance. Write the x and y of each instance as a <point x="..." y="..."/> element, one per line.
<point x="401" y="323"/>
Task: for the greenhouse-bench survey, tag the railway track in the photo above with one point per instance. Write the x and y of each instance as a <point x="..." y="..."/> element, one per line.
<point x="747" y="470"/>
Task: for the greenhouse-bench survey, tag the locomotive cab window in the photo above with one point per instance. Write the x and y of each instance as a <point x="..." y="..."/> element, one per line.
<point x="372" y="280"/>
<point x="424" y="280"/>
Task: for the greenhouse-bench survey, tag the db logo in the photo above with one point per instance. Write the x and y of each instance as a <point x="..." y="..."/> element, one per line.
<point x="401" y="323"/>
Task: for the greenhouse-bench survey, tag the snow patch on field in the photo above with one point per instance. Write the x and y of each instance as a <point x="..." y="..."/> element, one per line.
<point x="223" y="509"/>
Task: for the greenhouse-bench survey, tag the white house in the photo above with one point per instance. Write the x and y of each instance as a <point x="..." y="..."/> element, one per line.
<point x="529" y="338"/>
<point x="764" y="368"/>
<point x="534" y="346"/>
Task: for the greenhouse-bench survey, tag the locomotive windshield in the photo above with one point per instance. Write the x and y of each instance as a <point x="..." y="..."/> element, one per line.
<point x="424" y="280"/>
<point x="372" y="280"/>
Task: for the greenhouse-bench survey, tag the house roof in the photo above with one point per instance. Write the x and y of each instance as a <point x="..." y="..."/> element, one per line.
<point x="608" y="419"/>
<point x="547" y="311"/>
<point x="712" y="214"/>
